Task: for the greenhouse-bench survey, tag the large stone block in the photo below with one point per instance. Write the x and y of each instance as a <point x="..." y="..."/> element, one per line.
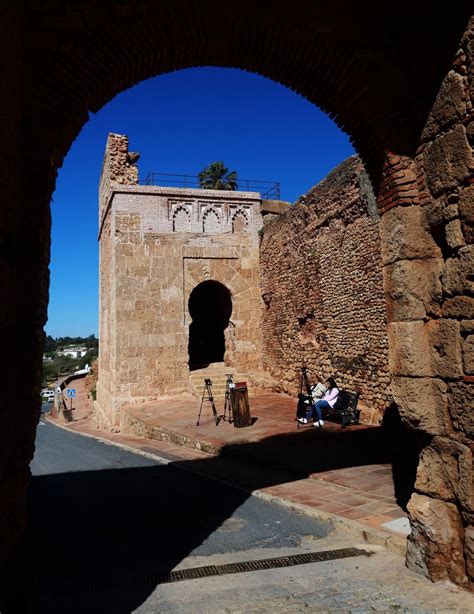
<point x="445" y="472"/>
<point x="467" y="327"/>
<point x="466" y="213"/>
<point x="435" y="546"/>
<point x="424" y="349"/>
<point x="461" y="407"/>
<point x="409" y="349"/>
<point x="454" y="235"/>
<point x="470" y="68"/>
<point x="404" y="235"/>
<point x="414" y="287"/>
<point x="445" y="340"/>
<point x="469" y="550"/>
<point x="449" y="106"/>
<point x="468" y="355"/>
<point x="461" y="307"/>
<point x="458" y="274"/>
<point x="466" y="204"/>
<point x="448" y="161"/>
<point x="423" y="403"/>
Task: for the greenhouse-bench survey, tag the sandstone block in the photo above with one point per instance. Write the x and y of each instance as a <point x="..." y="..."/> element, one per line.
<point x="454" y="235"/>
<point x="404" y="235"/>
<point x="422" y="403"/>
<point x="444" y="472"/>
<point x="466" y="213"/>
<point x="449" y="106"/>
<point x="466" y="204"/>
<point x="469" y="550"/>
<point x="435" y="546"/>
<point x="467" y="326"/>
<point x="414" y="287"/>
<point x="450" y="212"/>
<point x="470" y="51"/>
<point x="468" y="354"/>
<point x="458" y="272"/>
<point x="459" y="307"/>
<point x="409" y="349"/>
<point x="448" y="161"/>
<point x="446" y="355"/>
<point x="461" y="407"/>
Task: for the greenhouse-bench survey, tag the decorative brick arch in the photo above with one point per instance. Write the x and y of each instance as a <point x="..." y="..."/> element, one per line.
<point x="181" y="219"/>
<point x="211" y="222"/>
<point x="240" y="222"/>
<point x="398" y="87"/>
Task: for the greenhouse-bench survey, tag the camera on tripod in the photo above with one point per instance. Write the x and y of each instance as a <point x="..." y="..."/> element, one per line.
<point x="208" y="389"/>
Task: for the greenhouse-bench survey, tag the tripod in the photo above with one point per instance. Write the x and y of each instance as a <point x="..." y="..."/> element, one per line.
<point x="208" y="388"/>
<point x="302" y="407"/>
<point x="227" y="407"/>
<point x="305" y="382"/>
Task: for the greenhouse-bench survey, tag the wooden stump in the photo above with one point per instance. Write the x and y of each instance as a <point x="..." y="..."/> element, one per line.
<point x="239" y="398"/>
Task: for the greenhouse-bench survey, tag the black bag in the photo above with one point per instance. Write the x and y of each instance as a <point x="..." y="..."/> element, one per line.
<point x="342" y="401"/>
<point x="346" y="407"/>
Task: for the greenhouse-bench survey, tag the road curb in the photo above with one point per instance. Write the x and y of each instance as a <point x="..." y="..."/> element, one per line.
<point x="391" y="541"/>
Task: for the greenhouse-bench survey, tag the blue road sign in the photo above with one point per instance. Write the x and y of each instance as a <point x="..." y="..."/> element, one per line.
<point x="71" y="393"/>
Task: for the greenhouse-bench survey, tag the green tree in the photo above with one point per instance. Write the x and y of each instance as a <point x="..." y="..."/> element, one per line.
<point x="91" y="342"/>
<point x="50" y="344"/>
<point x="216" y="176"/>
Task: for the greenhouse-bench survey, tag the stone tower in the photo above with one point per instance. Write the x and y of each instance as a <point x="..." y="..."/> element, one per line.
<point x="179" y="284"/>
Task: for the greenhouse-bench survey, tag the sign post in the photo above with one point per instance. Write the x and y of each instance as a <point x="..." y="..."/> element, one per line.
<point x="71" y="394"/>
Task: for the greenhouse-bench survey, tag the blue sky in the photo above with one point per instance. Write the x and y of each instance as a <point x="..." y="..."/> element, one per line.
<point x="180" y="122"/>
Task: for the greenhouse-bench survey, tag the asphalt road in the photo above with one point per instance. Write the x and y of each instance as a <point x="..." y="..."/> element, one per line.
<point x="105" y="524"/>
<point x="99" y="512"/>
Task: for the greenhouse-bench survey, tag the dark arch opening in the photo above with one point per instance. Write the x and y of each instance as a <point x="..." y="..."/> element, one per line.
<point x="210" y="307"/>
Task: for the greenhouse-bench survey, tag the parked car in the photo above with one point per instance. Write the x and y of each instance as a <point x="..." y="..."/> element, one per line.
<point x="48" y="395"/>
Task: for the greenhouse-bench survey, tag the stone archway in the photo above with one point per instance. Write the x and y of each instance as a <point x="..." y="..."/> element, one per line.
<point x="225" y="267"/>
<point x="410" y="121"/>
<point x="210" y="307"/>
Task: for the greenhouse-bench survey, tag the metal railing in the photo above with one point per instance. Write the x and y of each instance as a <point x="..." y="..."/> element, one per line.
<point x="269" y="190"/>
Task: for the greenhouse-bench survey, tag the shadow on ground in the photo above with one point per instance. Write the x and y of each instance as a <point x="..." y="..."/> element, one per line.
<point x="116" y="528"/>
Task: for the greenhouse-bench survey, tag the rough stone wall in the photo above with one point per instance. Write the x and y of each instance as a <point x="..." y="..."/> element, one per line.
<point x="150" y="264"/>
<point x="430" y="277"/>
<point x="322" y="287"/>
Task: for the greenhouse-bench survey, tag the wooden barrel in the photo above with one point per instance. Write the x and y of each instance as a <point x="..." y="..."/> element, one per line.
<point x="239" y="398"/>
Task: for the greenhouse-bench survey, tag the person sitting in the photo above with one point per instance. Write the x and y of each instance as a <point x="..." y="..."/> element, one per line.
<point x="316" y="393"/>
<point x="327" y="402"/>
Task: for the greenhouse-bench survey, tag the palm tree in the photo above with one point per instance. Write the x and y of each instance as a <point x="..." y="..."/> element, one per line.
<point x="217" y="177"/>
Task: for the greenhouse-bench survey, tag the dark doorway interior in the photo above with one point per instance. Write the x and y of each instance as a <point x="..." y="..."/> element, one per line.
<point x="210" y="307"/>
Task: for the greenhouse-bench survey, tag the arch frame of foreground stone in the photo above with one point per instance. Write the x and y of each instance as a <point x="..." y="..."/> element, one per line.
<point x="400" y="82"/>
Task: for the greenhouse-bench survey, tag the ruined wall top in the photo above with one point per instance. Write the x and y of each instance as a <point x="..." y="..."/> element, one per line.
<point x="323" y="202"/>
<point x="118" y="167"/>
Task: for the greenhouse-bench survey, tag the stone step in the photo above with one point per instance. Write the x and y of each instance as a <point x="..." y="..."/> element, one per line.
<point x="218" y="375"/>
<point x="200" y="380"/>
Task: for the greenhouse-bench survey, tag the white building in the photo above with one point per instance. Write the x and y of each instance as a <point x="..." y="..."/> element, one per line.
<point x="74" y="352"/>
